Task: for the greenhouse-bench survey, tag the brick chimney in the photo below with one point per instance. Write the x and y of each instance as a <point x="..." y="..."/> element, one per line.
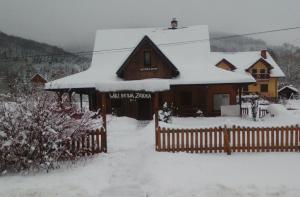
<point x="174" y="23"/>
<point x="263" y="53"/>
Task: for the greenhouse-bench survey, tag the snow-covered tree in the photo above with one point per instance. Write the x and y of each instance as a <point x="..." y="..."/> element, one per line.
<point x="35" y="129"/>
<point x="165" y="114"/>
<point x="254" y="106"/>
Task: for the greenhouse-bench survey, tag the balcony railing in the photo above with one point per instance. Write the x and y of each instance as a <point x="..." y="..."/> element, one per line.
<point x="261" y="76"/>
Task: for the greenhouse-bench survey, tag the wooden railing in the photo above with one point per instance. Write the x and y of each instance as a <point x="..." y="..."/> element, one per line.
<point x="261" y="76"/>
<point x="222" y="139"/>
<point x="92" y="143"/>
<point x="261" y="112"/>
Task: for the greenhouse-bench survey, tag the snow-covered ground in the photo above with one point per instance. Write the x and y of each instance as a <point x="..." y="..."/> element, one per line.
<point x="132" y="168"/>
<point x="287" y="118"/>
<point x="278" y="116"/>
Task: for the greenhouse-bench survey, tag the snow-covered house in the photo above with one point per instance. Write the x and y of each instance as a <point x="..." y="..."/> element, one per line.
<point x="38" y="80"/>
<point x="259" y="64"/>
<point x="288" y="92"/>
<point x="130" y="65"/>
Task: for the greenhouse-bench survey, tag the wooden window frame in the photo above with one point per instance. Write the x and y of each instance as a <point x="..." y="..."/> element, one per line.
<point x="264" y="90"/>
<point x="254" y="74"/>
<point x="147" y="64"/>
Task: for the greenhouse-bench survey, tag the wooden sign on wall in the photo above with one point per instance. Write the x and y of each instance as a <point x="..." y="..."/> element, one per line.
<point x="135" y="95"/>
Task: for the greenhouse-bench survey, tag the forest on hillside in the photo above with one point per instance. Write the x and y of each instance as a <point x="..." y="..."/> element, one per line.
<point x="22" y="58"/>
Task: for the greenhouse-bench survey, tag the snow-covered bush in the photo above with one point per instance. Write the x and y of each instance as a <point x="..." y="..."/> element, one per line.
<point x="34" y="130"/>
<point x="199" y="113"/>
<point x="165" y="114"/>
<point x="277" y="110"/>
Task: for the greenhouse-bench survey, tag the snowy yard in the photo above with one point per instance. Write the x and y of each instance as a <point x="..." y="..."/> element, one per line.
<point x="132" y="168"/>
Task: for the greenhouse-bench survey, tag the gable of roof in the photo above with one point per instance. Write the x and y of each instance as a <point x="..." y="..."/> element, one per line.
<point x="262" y="60"/>
<point x="290" y="87"/>
<point x="232" y="67"/>
<point x="147" y="40"/>
<point x="37" y="78"/>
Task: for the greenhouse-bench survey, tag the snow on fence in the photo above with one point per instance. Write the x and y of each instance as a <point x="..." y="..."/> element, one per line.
<point x="235" y="139"/>
<point x="93" y="143"/>
<point x="261" y="112"/>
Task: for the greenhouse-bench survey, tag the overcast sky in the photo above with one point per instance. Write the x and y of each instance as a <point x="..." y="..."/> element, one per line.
<point x="73" y="23"/>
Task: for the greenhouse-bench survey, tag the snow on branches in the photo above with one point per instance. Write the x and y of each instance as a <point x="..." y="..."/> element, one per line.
<point x="165" y="114"/>
<point x="34" y="129"/>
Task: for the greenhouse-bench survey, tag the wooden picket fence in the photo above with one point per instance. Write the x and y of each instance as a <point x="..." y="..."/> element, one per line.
<point x="92" y="143"/>
<point x="227" y="140"/>
<point x="261" y="112"/>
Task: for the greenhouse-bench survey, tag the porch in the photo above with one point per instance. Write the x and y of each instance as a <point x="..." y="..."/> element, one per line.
<point x="185" y="100"/>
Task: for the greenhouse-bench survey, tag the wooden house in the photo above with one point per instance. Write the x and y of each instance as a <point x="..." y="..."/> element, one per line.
<point x="38" y="80"/>
<point x="288" y="92"/>
<point x="134" y="67"/>
<point x="260" y="65"/>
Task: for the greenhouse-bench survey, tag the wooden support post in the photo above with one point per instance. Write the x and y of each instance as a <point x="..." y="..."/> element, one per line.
<point x="156" y="109"/>
<point x="70" y="96"/>
<point x="240" y="100"/>
<point x="81" y="102"/>
<point x="59" y="98"/>
<point x="103" y="109"/>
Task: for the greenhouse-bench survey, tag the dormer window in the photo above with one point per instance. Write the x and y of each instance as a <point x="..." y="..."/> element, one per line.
<point x="147" y="58"/>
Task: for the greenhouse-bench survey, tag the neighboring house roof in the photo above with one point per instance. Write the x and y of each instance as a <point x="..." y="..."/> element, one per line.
<point x="187" y="48"/>
<point x="38" y="78"/>
<point x="292" y="88"/>
<point x="244" y="60"/>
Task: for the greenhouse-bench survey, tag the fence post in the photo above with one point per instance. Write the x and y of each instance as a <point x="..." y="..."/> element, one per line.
<point x="103" y="110"/>
<point x="104" y="139"/>
<point x="298" y="137"/>
<point x="156" y="97"/>
<point x="157" y="138"/>
<point x="226" y="141"/>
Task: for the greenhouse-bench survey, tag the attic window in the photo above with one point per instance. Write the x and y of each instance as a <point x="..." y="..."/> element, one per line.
<point x="147" y="58"/>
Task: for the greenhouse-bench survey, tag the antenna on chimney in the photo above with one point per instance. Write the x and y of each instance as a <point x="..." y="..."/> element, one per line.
<point x="174" y="23"/>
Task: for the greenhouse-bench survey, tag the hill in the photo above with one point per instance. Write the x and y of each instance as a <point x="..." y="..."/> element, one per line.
<point x="22" y="58"/>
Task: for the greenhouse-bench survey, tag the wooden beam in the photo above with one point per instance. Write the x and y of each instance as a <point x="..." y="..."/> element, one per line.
<point x="81" y="102"/>
<point x="156" y="97"/>
<point x="70" y="96"/>
<point x="103" y="109"/>
<point x="240" y="99"/>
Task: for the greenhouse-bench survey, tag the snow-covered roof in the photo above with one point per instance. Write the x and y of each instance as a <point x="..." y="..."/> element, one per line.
<point x="289" y="87"/>
<point x="244" y="60"/>
<point x="187" y="48"/>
